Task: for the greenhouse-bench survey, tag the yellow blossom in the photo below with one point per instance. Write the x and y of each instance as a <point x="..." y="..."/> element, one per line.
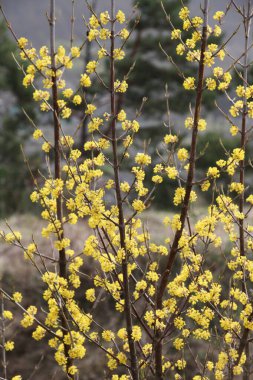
<point x="75" y="51"/>
<point x="218" y="15"/>
<point x="90" y="295"/>
<point x="175" y="34"/>
<point x="7" y="314"/>
<point x="182" y="154"/>
<point x="120" y="17"/>
<point x="136" y="333"/>
<point x="17" y="297"/>
<point x="189" y="83"/>
<point x="184" y="13"/>
<point x="39" y="333"/>
<point x="85" y="80"/>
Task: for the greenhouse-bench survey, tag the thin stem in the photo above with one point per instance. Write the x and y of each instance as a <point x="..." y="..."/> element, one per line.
<point x="244" y="344"/>
<point x="189" y="185"/>
<point x="243" y="127"/>
<point x="72" y="23"/>
<point x="4" y="361"/>
<point x="57" y="168"/>
<point x="122" y="229"/>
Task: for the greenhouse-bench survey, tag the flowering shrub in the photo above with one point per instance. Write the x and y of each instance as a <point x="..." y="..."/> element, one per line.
<point x="175" y="313"/>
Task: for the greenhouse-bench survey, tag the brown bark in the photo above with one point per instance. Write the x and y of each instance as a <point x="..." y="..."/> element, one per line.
<point x="186" y="202"/>
<point x="122" y="230"/>
<point x="57" y="171"/>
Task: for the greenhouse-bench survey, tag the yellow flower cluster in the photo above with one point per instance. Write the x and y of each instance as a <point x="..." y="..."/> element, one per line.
<point x="91" y="190"/>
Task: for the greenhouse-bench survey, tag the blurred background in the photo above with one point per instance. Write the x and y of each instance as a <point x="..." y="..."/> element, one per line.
<point x="152" y="72"/>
